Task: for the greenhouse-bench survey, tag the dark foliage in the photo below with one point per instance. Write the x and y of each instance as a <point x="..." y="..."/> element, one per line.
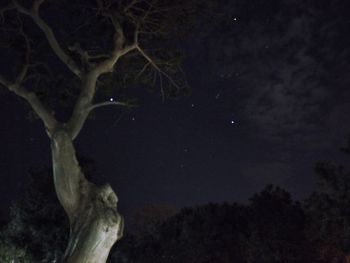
<point x="276" y="229"/>
<point x="270" y="229"/>
<point x="328" y="208"/>
<point x="37" y="222"/>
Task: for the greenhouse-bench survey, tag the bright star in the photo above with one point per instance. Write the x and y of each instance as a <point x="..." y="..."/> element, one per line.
<point x="111" y="99"/>
<point x="232" y="122"/>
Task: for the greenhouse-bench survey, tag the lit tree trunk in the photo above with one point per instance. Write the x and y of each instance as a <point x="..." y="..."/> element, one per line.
<point x="95" y="224"/>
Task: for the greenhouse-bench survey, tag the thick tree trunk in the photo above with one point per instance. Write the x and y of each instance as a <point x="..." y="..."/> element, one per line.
<point x="95" y="224"/>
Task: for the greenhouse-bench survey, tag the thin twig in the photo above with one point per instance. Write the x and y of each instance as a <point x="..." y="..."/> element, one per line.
<point x="109" y="103"/>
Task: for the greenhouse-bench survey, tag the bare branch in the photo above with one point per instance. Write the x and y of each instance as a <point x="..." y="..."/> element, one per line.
<point x="10" y="6"/>
<point x="50" y="36"/>
<point x="24" y="71"/>
<point x="84" y="55"/>
<point x="142" y="70"/>
<point x="120" y="46"/>
<point x="108" y="64"/>
<point x="43" y="113"/>
<point x="33" y="100"/>
<point x="161" y="72"/>
<point x="88" y="90"/>
<point x="109" y="103"/>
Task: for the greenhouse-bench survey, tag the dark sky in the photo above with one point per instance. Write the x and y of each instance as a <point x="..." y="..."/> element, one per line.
<point x="270" y="97"/>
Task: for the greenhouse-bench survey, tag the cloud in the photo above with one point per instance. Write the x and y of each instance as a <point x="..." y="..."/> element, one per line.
<point x="285" y="74"/>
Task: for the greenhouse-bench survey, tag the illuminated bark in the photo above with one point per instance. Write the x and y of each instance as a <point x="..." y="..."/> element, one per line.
<point x="95" y="224"/>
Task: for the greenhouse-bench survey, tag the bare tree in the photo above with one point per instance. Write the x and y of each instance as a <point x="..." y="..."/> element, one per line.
<point x="106" y="43"/>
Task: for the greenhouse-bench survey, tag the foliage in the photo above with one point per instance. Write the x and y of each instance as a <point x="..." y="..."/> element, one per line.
<point x="12" y="254"/>
<point x="38" y="225"/>
<point x="328" y="208"/>
<point x="270" y="229"/>
<point x="148" y="218"/>
<point x="276" y="229"/>
<point x="203" y="234"/>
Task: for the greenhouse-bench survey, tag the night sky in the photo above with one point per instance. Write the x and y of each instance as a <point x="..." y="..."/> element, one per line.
<point x="270" y="97"/>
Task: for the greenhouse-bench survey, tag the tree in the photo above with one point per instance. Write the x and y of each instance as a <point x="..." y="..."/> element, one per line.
<point x="271" y="228"/>
<point x="203" y="234"/>
<point x="328" y="208"/>
<point x="276" y="230"/>
<point x="101" y="45"/>
<point x="148" y="217"/>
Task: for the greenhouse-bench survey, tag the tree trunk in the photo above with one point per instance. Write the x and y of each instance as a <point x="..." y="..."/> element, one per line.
<point x="95" y="224"/>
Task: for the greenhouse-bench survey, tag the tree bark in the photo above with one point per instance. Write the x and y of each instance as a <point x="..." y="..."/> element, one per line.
<point x="95" y="224"/>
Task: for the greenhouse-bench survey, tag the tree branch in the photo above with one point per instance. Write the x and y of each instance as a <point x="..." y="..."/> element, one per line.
<point x="161" y="72"/>
<point x="109" y="103"/>
<point x="88" y="90"/>
<point x="47" y="118"/>
<point x="17" y="88"/>
<point x="10" y="6"/>
<point x="80" y="111"/>
<point x="119" y="40"/>
<point x="89" y="79"/>
<point x="50" y="36"/>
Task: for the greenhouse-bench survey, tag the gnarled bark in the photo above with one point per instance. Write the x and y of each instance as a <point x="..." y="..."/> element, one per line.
<point x="95" y="224"/>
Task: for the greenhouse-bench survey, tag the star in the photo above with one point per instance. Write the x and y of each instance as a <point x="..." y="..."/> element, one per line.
<point x="235" y="18"/>
<point x="192" y="105"/>
<point x="133" y="118"/>
<point x="232" y="122"/>
<point x="111" y="99"/>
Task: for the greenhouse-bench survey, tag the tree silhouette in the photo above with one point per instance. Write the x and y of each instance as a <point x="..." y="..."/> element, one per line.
<point x="328" y="208"/>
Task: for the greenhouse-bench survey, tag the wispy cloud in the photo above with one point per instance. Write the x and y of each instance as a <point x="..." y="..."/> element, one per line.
<point x="284" y="71"/>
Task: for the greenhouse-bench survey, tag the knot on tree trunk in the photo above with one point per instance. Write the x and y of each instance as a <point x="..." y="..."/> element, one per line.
<point x="106" y="203"/>
<point x="96" y="227"/>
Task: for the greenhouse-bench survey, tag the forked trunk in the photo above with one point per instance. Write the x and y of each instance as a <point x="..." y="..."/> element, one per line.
<point x="95" y="224"/>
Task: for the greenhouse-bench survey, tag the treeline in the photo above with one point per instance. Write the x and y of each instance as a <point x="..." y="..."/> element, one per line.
<point x="271" y="228"/>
